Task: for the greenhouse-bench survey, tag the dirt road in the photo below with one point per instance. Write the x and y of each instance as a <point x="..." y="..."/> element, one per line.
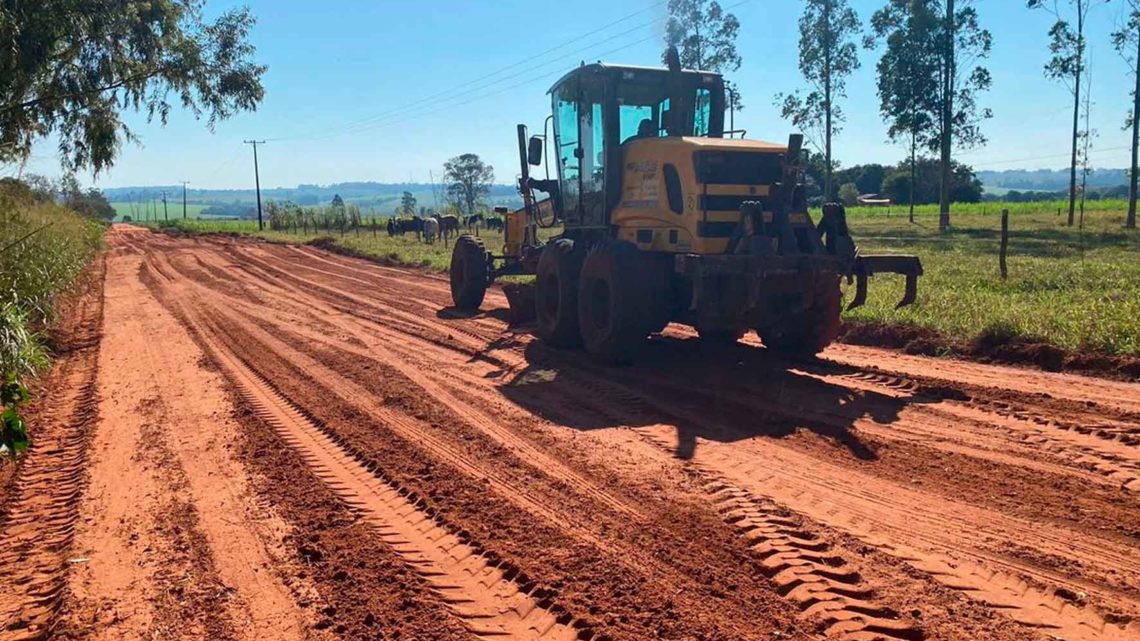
<point x="274" y="442"/>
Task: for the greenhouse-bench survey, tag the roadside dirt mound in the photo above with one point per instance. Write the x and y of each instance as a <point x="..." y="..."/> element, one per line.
<point x="993" y="346"/>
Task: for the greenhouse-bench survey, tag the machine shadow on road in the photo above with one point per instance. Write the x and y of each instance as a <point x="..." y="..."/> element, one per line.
<point x="724" y="393"/>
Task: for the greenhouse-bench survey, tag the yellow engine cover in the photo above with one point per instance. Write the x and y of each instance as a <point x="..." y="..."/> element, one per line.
<point x="646" y="217"/>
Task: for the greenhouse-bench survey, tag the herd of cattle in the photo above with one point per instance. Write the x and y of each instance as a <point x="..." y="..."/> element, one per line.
<point x="430" y="228"/>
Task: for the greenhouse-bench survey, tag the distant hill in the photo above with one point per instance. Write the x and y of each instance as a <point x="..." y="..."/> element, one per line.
<point x="371" y="197"/>
<point x="1046" y="179"/>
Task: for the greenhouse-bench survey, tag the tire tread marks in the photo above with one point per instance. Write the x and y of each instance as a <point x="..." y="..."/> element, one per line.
<point x="491" y="597"/>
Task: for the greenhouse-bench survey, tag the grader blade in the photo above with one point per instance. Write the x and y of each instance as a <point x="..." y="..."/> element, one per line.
<point x="520" y="298"/>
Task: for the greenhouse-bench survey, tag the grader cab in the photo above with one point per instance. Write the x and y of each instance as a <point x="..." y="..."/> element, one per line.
<point x="668" y="218"/>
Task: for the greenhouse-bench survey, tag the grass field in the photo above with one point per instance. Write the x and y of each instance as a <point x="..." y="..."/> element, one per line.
<point x="174" y="209"/>
<point x="1076" y="289"/>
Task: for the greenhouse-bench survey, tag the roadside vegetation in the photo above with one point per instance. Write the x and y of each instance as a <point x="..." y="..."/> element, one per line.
<point x="1072" y="288"/>
<point x="43" y="247"/>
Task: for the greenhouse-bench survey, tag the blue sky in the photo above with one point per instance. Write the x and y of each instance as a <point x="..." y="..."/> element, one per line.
<point x="386" y="91"/>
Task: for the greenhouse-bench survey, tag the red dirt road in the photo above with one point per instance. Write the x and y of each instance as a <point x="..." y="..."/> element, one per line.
<point x="274" y="442"/>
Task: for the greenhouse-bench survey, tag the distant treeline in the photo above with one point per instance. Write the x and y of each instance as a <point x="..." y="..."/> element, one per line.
<point x="1092" y="193"/>
<point x="381" y="197"/>
<point x="893" y="181"/>
<point x="1051" y="180"/>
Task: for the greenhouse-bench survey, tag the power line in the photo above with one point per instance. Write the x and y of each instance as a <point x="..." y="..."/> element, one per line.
<point x="484" y="78"/>
<point x="484" y="96"/>
<point x="1064" y="155"/>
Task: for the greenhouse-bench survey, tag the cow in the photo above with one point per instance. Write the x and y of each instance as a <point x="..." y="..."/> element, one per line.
<point x="448" y="225"/>
<point x="401" y="226"/>
<point x="391" y="227"/>
<point x="430" y="230"/>
<point x="495" y="223"/>
<point x="472" y="222"/>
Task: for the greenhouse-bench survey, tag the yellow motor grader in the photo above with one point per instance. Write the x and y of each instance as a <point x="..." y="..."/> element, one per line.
<point x="668" y="218"/>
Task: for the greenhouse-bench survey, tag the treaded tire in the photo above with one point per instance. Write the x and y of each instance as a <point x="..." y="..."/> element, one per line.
<point x="556" y="293"/>
<point x="468" y="272"/>
<point x="809" y="332"/>
<point x="612" y="304"/>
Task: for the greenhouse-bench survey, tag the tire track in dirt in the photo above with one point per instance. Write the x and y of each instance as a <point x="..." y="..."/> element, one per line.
<point x="176" y="545"/>
<point x="997" y="579"/>
<point x="38" y="523"/>
<point x="374" y="314"/>
<point x="657" y="586"/>
<point x="1024" y="602"/>
<point x="401" y="360"/>
<point x="491" y="597"/>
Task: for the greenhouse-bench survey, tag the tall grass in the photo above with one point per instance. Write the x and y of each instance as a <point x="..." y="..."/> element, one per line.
<point x="43" y="247"/>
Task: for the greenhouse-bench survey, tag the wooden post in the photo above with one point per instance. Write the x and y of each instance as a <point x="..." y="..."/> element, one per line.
<point x="1004" y="243"/>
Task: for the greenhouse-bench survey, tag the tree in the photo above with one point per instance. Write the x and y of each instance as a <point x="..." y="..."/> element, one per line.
<point x="1126" y="40"/>
<point x="936" y="52"/>
<point x="908" y="76"/>
<point x="69" y="68"/>
<point x="962" y="39"/>
<point x="849" y="194"/>
<point x="408" y="203"/>
<point x="926" y="187"/>
<point x="337" y="202"/>
<point x="1068" y="66"/>
<point x="468" y="182"/>
<point x="705" y="37"/>
<point x="827" y="56"/>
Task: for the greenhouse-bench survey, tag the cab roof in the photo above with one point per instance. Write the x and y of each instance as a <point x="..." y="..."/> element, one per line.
<point x="604" y="68"/>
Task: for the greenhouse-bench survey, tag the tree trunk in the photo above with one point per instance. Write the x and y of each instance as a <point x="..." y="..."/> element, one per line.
<point x="827" y="46"/>
<point x="1130" y="222"/>
<point x="913" y="169"/>
<point x="947" y="116"/>
<point x="1076" y="111"/>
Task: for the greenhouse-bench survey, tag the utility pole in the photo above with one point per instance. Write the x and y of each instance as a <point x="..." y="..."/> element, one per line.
<point x="257" y="180"/>
<point x="165" y="213"/>
<point x="184" y="183"/>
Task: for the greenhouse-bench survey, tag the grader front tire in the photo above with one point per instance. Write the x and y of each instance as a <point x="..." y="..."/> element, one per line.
<point x="556" y="293"/>
<point x="612" y="306"/>
<point x="468" y="272"/>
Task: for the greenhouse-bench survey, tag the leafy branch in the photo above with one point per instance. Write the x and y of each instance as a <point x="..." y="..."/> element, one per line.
<point x="13" y="430"/>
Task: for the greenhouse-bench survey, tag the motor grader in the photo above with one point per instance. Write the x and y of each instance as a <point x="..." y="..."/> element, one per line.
<point x="667" y="217"/>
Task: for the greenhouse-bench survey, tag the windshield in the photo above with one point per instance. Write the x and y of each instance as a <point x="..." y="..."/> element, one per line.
<point x="643" y="107"/>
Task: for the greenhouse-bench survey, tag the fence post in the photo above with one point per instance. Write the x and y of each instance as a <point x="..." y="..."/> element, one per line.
<point x="1004" y="243"/>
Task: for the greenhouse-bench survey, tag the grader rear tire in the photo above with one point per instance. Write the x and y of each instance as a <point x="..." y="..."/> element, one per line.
<point x="469" y="275"/>
<point x="612" y="305"/>
<point x="809" y="332"/>
<point x="556" y="293"/>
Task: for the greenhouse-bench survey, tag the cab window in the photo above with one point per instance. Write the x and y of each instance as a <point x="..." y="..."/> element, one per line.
<point x="702" y="113"/>
<point x="636" y="121"/>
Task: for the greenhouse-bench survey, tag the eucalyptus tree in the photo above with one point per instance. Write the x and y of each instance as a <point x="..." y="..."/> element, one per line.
<point x="1068" y="48"/>
<point x="69" y="68"/>
<point x="1126" y="40"/>
<point x="828" y="54"/>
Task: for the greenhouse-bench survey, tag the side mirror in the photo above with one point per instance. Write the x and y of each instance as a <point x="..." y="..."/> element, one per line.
<point x="534" y="151"/>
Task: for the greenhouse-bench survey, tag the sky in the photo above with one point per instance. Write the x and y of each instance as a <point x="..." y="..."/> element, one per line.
<point x="386" y="91"/>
